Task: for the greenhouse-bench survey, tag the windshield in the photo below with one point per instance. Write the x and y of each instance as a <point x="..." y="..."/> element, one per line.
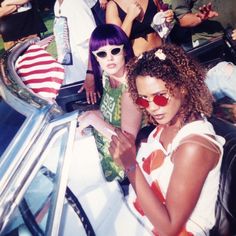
<point x="10" y="123"/>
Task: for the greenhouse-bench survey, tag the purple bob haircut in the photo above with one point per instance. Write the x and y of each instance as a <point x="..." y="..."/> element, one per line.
<point x="107" y="34"/>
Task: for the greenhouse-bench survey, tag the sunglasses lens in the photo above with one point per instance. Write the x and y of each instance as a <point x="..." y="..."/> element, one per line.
<point x="142" y="102"/>
<point x="160" y="100"/>
<point x="101" y="54"/>
<point x="115" y="51"/>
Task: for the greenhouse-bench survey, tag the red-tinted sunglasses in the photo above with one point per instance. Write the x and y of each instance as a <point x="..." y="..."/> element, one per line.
<point x="158" y="99"/>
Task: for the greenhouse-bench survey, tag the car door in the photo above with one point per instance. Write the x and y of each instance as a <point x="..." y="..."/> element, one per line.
<point x="33" y="199"/>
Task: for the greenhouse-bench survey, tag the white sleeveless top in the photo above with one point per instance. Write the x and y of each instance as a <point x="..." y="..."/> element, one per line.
<point x="156" y="165"/>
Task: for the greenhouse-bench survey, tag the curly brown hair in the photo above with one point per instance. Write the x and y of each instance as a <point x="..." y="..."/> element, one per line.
<point x="177" y="70"/>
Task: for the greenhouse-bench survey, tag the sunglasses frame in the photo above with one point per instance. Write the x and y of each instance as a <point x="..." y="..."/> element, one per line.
<point x="120" y="47"/>
<point x="144" y="103"/>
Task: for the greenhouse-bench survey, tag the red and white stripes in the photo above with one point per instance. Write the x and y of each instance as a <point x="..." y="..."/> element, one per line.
<point x="40" y="71"/>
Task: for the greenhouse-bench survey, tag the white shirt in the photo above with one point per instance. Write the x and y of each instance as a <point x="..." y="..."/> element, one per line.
<point x="202" y="218"/>
<point x="74" y="23"/>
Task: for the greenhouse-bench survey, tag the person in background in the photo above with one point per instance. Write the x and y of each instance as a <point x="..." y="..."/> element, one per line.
<point x="180" y="165"/>
<point x="135" y="18"/>
<point x="98" y="8"/>
<point x="196" y="18"/>
<point x="221" y="81"/>
<point x="19" y="20"/>
<point x="110" y="50"/>
<point x="74" y="23"/>
<point x="6" y="10"/>
<point x="234" y="34"/>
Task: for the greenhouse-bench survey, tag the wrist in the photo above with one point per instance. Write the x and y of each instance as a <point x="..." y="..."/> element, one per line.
<point x="131" y="168"/>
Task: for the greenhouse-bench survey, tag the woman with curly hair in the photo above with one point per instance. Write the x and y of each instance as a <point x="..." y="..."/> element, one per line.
<point x="175" y="176"/>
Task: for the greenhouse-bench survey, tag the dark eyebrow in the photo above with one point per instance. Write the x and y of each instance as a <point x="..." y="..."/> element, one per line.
<point x="156" y="93"/>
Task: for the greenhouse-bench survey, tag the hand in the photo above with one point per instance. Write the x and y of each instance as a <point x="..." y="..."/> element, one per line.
<point x="87" y="119"/>
<point x="135" y="11"/>
<point x="206" y="12"/>
<point x="89" y="86"/>
<point x="103" y="4"/>
<point x="122" y="148"/>
<point x="234" y="34"/>
<point x="169" y="15"/>
<point x="232" y="107"/>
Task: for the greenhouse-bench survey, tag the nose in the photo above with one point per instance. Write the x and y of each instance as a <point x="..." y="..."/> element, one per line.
<point x="110" y="57"/>
<point x="152" y="106"/>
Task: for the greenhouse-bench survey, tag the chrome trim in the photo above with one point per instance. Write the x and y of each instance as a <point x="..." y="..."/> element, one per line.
<point x="54" y="222"/>
<point x="10" y="79"/>
<point x="22" y="159"/>
<point x="29" y="166"/>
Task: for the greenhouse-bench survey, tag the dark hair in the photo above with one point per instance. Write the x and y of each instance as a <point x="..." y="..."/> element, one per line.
<point x="108" y="34"/>
<point x="171" y="64"/>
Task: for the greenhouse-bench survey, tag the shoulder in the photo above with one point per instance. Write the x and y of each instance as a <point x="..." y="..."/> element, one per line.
<point x="181" y="7"/>
<point x="197" y="150"/>
<point x="112" y="4"/>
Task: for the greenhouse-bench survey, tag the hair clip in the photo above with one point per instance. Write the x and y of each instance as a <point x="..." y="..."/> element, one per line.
<point x="159" y="53"/>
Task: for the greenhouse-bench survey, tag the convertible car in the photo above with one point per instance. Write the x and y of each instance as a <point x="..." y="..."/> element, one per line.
<point x="50" y="178"/>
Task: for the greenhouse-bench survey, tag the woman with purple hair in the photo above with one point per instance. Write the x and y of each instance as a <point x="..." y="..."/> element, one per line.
<point x="110" y="50"/>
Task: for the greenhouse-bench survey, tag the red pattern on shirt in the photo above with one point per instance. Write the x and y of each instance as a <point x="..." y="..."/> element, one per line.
<point x="151" y="163"/>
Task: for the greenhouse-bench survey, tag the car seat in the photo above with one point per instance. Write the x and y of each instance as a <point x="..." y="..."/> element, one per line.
<point x="226" y="203"/>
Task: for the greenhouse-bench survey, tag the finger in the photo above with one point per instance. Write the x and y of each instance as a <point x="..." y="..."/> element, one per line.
<point x="93" y="97"/>
<point x="203" y="9"/>
<point x="88" y="97"/>
<point x="124" y="137"/>
<point x="114" y="149"/>
<point x="81" y="89"/>
<point x="209" y="6"/>
<point x="119" y="132"/>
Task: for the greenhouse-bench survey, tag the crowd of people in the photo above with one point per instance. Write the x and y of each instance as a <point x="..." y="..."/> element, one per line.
<point x="144" y="80"/>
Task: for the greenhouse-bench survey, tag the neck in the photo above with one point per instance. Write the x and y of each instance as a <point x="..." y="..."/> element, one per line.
<point x="120" y="75"/>
<point x="115" y="81"/>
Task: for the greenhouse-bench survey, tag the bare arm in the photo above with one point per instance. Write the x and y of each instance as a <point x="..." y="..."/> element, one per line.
<point x="131" y="116"/>
<point x="14" y="2"/>
<point x="7" y="10"/>
<point x="95" y="119"/>
<point x="112" y="16"/>
<point x="187" y="180"/>
<point x="89" y="85"/>
<point x="190" y="19"/>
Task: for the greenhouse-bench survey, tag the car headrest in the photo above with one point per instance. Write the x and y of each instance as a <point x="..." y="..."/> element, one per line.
<point x="40" y="72"/>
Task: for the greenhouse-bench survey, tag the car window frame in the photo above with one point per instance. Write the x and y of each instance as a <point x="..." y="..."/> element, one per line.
<point x="68" y="121"/>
